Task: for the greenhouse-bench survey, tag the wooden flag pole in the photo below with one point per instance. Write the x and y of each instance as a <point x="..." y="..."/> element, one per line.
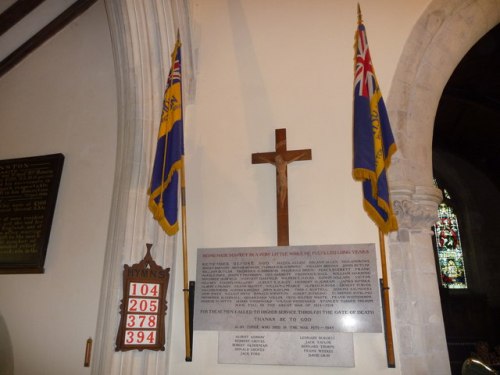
<point x="187" y="330"/>
<point x="391" y="362"/>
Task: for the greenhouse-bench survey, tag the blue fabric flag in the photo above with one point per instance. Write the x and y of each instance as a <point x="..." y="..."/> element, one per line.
<point x="169" y="159"/>
<point x="373" y="139"/>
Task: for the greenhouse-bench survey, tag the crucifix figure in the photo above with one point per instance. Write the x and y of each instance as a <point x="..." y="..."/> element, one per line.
<point x="280" y="159"/>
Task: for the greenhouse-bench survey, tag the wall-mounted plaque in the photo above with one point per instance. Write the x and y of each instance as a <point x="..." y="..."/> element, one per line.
<point x="287" y="348"/>
<point x="324" y="288"/>
<point x="28" y="193"/>
<point x="144" y="305"/>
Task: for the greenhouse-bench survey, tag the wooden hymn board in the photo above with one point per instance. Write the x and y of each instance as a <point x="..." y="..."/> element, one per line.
<point x="144" y="306"/>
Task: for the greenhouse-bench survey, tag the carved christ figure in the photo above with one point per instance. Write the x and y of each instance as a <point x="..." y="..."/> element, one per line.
<point x="280" y="159"/>
<point x="282" y="175"/>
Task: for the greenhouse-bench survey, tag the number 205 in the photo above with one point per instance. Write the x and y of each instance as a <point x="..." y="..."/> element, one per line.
<point x="143" y="305"/>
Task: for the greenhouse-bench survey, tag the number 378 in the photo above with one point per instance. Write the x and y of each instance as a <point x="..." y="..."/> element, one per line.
<point x="141" y="321"/>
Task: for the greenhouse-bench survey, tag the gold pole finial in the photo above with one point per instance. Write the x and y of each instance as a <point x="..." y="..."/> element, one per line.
<point x="360" y="18"/>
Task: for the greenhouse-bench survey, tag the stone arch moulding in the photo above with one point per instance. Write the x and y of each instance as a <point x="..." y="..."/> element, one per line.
<point x="439" y="40"/>
<point x="143" y="35"/>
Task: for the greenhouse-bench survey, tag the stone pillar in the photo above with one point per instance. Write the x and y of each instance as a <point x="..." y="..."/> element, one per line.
<point x="418" y="318"/>
<point x="143" y="35"/>
<point x="426" y="63"/>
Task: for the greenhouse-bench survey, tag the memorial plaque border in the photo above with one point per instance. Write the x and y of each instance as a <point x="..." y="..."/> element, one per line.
<point x="36" y="265"/>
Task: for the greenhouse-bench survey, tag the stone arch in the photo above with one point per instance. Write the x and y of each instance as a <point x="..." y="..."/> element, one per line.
<point x="437" y="43"/>
<point x="442" y="36"/>
<point x="143" y="34"/>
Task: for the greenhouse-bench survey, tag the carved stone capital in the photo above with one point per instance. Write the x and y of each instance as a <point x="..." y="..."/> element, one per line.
<point x="415" y="206"/>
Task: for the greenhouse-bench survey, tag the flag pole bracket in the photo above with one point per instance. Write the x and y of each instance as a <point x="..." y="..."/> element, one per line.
<point x="191" y="316"/>
<point x="390" y="361"/>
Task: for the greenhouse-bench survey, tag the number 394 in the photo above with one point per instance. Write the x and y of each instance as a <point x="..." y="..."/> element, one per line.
<point x="140" y="337"/>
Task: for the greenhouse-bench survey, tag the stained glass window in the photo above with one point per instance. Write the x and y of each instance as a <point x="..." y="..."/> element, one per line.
<point x="449" y="248"/>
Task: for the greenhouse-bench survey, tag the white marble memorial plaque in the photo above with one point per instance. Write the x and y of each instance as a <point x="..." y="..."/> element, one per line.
<point x="326" y="288"/>
<point x="287" y="348"/>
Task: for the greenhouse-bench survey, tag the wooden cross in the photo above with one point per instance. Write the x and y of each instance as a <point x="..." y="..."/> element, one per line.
<point x="280" y="159"/>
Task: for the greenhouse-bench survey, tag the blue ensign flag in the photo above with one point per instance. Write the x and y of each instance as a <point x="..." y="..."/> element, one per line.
<point x="373" y="139"/>
<point x="169" y="158"/>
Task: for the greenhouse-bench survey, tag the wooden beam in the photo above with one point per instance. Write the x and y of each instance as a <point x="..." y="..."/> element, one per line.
<point x="16" y="12"/>
<point x="44" y="34"/>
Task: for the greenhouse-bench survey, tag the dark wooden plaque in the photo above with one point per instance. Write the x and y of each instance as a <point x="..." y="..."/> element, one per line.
<point x="144" y="306"/>
<point x="28" y="193"/>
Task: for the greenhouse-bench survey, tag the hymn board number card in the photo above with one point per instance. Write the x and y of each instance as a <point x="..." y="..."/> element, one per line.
<point x="144" y="306"/>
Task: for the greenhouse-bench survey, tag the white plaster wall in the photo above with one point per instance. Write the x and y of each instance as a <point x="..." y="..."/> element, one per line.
<point x="262" y="65"/>
<point x="62" y="98"/>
